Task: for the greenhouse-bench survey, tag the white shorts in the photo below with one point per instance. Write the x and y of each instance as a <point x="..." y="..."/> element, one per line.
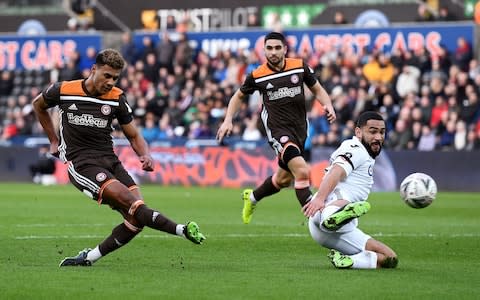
<point x="348" y="239"/>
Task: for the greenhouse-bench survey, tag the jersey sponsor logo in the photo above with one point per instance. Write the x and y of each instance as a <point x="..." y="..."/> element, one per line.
<point x="284" y="93"/>
<point x="101" y="177"/>
<point x="73" y="107"/>
<point x="294" y="78"/>
<point x="269" y="86"/>
<point x="86" y="120"/>
<point x="106" y="109"/>
<point x="370" y="170"/>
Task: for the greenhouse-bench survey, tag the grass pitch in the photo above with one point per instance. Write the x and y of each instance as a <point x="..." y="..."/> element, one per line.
<point x="274" y="257"/>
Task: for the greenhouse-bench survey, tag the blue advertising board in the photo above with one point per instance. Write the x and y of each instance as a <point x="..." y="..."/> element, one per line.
<point x="43" y="52"/>
<point x="432" y="37"/>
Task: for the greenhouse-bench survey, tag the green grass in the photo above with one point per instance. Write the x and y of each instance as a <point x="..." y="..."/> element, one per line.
<point x="274" y="257"/>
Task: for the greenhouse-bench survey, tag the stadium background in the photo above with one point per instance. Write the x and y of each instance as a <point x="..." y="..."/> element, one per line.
<point x="28" y="48"/>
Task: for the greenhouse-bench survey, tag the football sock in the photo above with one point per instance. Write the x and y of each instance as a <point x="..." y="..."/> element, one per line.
<point x="179" y="229"/>
<point x="267" y="188"/>
<point x="364" y="260"/>
<point x="94" y="255"/>
<point x="153" y="219"/>
<point x="120" y="236"/>
<point x="303" y="195"/>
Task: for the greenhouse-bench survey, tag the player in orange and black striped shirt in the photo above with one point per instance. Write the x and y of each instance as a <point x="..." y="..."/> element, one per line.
<point x="281" y="82"/>
<point x="87" y="109"/>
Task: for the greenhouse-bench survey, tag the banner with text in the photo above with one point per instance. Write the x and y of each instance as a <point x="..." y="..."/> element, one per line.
<point x="43" y="52"/>
<point x="348" y="40"/>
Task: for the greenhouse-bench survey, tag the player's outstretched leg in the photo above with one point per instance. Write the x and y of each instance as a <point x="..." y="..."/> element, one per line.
<point x="346" y="214"/>
<point x="248" y="206"/>
<point x="339" y="260"/>
<point x="192" y="232"/>
<point x="79" y="260"/>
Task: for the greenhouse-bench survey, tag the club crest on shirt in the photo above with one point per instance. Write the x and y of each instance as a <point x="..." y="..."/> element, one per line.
<point x="370" y="170"/>
<point x="106" y="109"/>
<point x="284" y="139"/>
<point x="101" y="177"/>
<point x="294" y="78"/>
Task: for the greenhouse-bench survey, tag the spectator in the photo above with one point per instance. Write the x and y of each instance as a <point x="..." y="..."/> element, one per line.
<point x="6" y="83"/>
<point x="408" y="81"/>
<point x="424" y="13"/>
<point x="460" y="139"/>
<point x="427" y="139"/>
<point x="183" y="52"/>
<point x="166" y="52"/>
<point x="252" y="20"/>
<point x="129" y="49"/>
<point x="444" y="15"/>
<point x="463" y="53"/>
<point x="251" y="132"/>
<point x="339" y="18"/>
<point x="398" y="139"/>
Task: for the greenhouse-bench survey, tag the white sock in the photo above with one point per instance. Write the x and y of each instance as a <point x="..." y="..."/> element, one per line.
<point x="252" y="198"/>
<point x="179" y="229"/>
<point x="364" y="260"/>
<point x="94" y="255"/>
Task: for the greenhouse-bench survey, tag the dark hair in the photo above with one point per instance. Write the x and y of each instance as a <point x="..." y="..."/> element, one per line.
<point x="110" y="57"/>
<point x="368" y="115"/>
<point x="275" y="36"/>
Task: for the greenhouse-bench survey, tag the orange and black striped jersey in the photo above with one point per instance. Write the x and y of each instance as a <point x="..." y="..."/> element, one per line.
<point x="85" y="125"/>
<point x="284" y="108"/>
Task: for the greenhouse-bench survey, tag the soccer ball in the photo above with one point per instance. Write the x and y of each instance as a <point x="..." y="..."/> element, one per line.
<point x="418" y="190"/>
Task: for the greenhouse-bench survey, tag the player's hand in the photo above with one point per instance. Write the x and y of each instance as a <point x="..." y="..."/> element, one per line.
<point x="54" y="149"/>
<point x="147" y="162"/>
<point x="224" y="130"/>
<point x="311" y="208"/>
<point x="330" y="113"/>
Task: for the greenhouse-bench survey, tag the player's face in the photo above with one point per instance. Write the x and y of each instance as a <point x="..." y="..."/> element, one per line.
<point x="104" y="78"/>
<point x="372" y="136"/>
<point x="275" y="52"/>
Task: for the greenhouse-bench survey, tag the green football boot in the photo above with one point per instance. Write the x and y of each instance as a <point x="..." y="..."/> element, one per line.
<point x="192" y="232"/>
<point x="346" y="214"/>
<point x="248" y="206"/>
<point x="339" y="260"/>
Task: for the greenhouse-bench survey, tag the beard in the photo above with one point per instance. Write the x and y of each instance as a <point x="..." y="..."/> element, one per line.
<point x="275" y="62"/>
<point x="370" y="150"/>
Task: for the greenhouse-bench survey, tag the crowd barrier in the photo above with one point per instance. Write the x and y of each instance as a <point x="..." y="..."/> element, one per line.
<point x="201" y="163"/>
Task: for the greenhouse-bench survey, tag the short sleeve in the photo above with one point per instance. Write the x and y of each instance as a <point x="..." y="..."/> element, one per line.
<point x="124" y="113"/>
<point x="248" y="86"/>
<point x="51" y="94"/>
<point x="349" y="157"/>
<point x="309" y="75"/>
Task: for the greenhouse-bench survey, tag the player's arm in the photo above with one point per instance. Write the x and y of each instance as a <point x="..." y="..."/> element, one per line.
<point x="139" y="145"/>
<point x="329" y="182"/>
<point x="322" y="96"/>
<point x="233" y="106"/>
<point x="40" y="107"/>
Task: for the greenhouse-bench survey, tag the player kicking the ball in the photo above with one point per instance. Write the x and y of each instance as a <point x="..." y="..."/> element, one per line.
<point x="341" y="199"/>
<point x="87" y="109"/>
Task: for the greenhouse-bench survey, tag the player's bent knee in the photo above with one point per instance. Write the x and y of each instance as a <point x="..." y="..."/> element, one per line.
<point x="290" y="153"/>
<point x="389" y="262"/>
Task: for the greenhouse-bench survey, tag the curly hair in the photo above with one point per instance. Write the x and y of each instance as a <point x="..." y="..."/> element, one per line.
<point x="110" y="57"/>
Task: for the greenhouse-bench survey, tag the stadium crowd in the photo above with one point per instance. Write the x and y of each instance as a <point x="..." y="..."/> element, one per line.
<point x="428" y="102"/>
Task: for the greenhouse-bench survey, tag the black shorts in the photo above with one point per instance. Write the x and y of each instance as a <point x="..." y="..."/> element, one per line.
<point x="279" y="142"/>
<point x="90" y="174"/>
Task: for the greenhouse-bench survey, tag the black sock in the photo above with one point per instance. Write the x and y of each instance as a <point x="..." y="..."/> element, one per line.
<point x="265" y="189"/>
<point x="120" y="236"/>
<point x="303" y="195"/>
<point x="153" y="219"/>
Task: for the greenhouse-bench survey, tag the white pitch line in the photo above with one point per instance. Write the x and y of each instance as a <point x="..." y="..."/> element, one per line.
<point x="250" y="235"/>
